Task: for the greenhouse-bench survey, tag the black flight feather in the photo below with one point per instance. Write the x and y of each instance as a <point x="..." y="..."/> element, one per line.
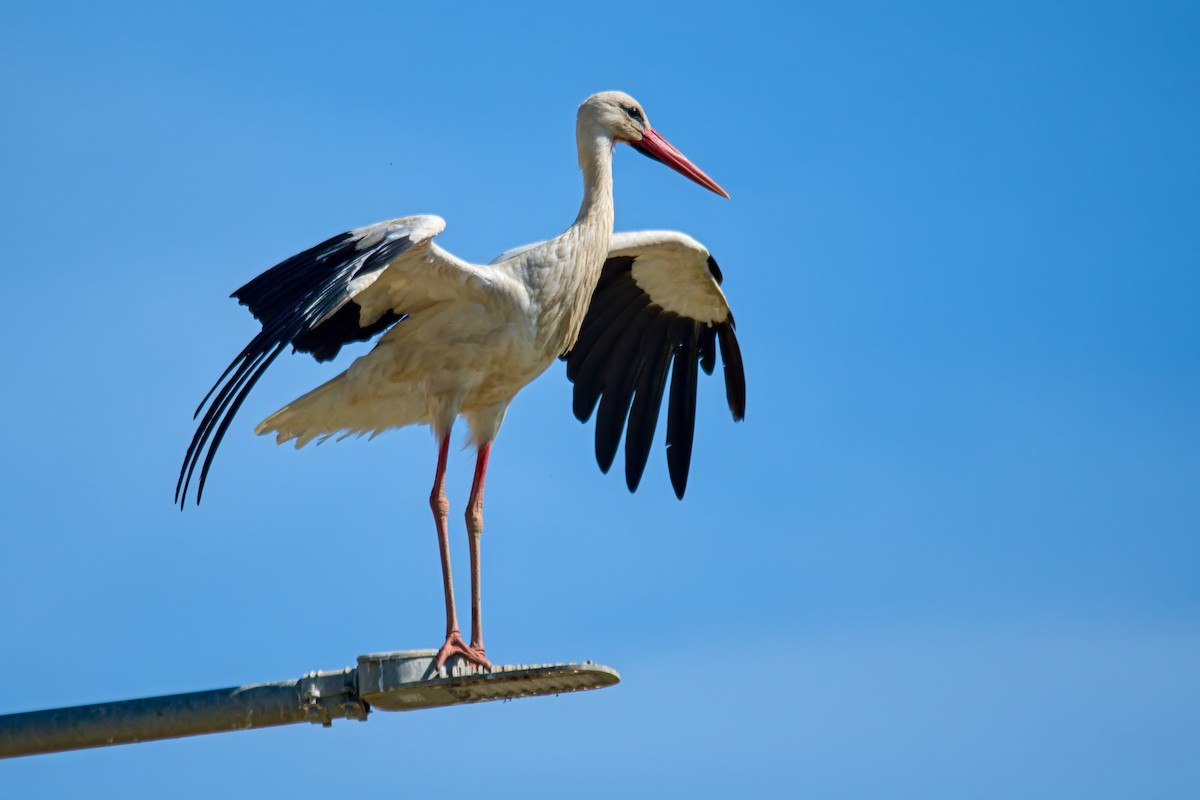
<point x="626" y="347"/>
<point x="681" y="408"/>
<point x="647" y="399"/>
<point x="735" y="374"/>
<point x="596" y="364"/>
<point x="622" y="374"/>
<point x="708" y="348"/>
<point x="295" y="301"/>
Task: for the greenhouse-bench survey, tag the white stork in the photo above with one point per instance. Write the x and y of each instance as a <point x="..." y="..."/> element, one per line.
<point x="463" y="339"/>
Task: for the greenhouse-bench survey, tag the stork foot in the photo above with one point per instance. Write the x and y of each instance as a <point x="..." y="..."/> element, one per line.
<point x="455" y="646"/>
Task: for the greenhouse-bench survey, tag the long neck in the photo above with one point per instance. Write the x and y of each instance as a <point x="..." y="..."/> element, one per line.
<point x="595" y="159"/>
<point x="566" y="288"/>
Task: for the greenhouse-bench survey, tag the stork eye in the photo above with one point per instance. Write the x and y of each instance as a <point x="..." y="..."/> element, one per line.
<point x="633" y="112"/>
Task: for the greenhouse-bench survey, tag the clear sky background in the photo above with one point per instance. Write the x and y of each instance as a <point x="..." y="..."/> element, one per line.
<point x="952" y="552"/>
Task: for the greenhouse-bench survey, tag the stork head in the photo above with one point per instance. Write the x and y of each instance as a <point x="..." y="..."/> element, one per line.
<point x="620" y="118"/>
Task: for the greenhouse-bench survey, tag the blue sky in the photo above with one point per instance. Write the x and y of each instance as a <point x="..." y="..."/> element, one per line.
<point x="952" y="552"/>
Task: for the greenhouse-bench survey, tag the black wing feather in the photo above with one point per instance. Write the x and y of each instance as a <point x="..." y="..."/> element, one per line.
<point x="599" y="315"/>
<point x="621" y="359"/>
<point x="735" y="373"/>
<point x="647" y="400"/>
<point x="612" y="271"/>
<point x="341" y="328"/>
<point x="681" y="408"/>
<point x="708" y="348"/>
<point x="593" y="368"/>
<point x="304" y="301"/>
<point x="621" y="373"/>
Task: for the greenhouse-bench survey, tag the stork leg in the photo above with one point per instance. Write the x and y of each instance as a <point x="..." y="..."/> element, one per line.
<point x="475" y="532"/>
<point x="441" y="514"/>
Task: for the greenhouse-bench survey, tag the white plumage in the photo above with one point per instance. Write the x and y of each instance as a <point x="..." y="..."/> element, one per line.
<point x="460" y="339"/>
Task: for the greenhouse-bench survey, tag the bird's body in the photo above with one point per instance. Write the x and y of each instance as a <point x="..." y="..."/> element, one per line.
<point x="461" y="339"/>
<point x="468" y="356"/>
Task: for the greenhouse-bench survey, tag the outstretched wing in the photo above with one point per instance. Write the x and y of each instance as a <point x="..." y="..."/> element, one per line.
<point x="347" y="288"/>
<point x="658" y="307"/>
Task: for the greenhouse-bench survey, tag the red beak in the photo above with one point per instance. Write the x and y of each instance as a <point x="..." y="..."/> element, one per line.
<point x="658" y="148"/>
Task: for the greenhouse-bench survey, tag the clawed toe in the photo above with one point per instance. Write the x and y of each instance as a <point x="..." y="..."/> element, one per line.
<point x="456" y="646"/>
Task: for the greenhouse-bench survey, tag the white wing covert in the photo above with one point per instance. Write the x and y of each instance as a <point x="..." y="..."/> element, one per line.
<point x="658" y="307"/>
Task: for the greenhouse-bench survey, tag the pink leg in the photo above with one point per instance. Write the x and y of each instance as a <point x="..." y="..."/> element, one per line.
<point x="474" y="532"/>
<point x="441" y="514"/>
